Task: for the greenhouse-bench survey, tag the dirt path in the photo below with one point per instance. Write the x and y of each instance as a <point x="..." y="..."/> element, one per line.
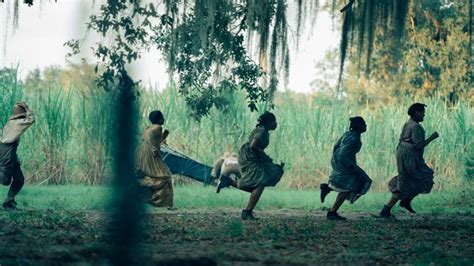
<point x="205" y="237"/>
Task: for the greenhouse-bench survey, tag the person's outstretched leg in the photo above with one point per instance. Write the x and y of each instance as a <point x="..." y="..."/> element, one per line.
<point x="247" y="213"/>
<point x="225" y="181"/>
<point x="406" y="203"/>
<point x="15" y="187"/>
<point x="385" y="212"/>
<point x="332" y="214"/>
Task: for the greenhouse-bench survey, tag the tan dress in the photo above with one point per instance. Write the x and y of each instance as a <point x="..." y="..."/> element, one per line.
<point x="156" y="174"/>
<point x="414" y="175"/>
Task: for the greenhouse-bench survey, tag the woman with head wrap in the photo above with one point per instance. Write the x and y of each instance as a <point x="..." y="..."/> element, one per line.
<point x="414" y="175"/>
<point x="258" y="169"/>
<point x="347" y="177"/>
<point x="10" y="171"/>
<point x="155" y="175"/>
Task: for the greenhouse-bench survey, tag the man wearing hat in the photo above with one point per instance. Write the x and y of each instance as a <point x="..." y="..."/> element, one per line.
<point x="10" y="171"/>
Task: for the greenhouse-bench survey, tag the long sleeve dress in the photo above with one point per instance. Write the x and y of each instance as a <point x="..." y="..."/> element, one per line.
<point x="414" y="175"/>
<point x="156" y="174"/>
<point x="346" y="175"/>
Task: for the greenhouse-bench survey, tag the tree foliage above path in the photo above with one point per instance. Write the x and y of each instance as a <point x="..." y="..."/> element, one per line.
<point x="433" y="59"/>
<point x="208" y="43"/>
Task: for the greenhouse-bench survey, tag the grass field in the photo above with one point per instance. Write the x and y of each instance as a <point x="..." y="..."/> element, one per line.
<point x="68" y="224"/>
<point x="97" y="198"/>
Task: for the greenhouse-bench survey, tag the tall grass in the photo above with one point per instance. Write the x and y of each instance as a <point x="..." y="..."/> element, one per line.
<point x="69" y="142"/>
<point x="11" y="92"/>
<point x="55" y="129"/>
<point x="308" y="127"/>
<point x="95" y="131"/>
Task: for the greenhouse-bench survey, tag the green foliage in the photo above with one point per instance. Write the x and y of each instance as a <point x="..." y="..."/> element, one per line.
<point x="134" y="26"/>
<point x="71" y="138"/>
<point x="469" y="163"/>
<point x="192" y="197"/>
<point x="310" y="125"/>
<point x="214" y="64"/>
<point x="94" y="118"/>
<point x="10" y="90"/>
<point x="361" y="19"/>
<point x="54" y="131"/>
<point x="117" y="22"/>
<point x="380" y="27"/>
<point x="68" y="120"/>
<point x="203" y="42"/>
<point x="433" y="59"/>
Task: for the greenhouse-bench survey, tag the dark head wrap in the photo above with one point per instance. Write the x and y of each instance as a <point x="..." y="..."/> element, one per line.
<point x="416" y="107"/>
<point x="266" y="118"/>
<point x="356" y="121"/>
<point x="156" y="117"/>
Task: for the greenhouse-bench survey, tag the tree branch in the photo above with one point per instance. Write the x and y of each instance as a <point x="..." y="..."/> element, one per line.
<point x="349" y="5"/>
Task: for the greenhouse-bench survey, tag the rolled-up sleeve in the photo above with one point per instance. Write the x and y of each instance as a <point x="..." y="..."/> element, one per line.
<point x="28" y="120"/>
<point x="418" y="136"/>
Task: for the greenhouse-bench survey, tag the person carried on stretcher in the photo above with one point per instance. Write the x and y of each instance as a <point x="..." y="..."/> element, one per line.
<point x="226" y="165"/>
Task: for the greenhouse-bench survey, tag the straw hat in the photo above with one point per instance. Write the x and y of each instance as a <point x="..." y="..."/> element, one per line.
<point x="18" y="111"/>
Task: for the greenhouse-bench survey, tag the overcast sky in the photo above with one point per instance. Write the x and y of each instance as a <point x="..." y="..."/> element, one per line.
<point x="43" y="29"/>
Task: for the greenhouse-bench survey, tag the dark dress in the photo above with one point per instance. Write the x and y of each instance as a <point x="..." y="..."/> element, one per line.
<point x="346" y="175"/>
<point x="414" y="175"/>
<point x="258" y="171"/>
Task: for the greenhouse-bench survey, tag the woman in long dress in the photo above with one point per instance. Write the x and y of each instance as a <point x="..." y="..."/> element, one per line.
<point x="347" y="177"/>
<point x="414" y="175"/>
<point x="258" y="169"/>
<point x="155" y="175"/>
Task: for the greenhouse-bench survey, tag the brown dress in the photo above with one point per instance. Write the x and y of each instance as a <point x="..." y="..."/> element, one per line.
<point x="414" y="176"/>
<point x="156" y="174"/>
<point x="258" y="171"/>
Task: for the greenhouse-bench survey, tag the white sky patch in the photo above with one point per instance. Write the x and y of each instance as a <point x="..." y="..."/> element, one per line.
<point x="43" y="29"/>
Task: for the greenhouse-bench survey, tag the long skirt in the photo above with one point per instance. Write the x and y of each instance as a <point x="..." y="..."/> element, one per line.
<point x="158" y="191"/>
<point x="414" y="175"/>
<point x="356" y="182"/>
<point x="257" y="171"/>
